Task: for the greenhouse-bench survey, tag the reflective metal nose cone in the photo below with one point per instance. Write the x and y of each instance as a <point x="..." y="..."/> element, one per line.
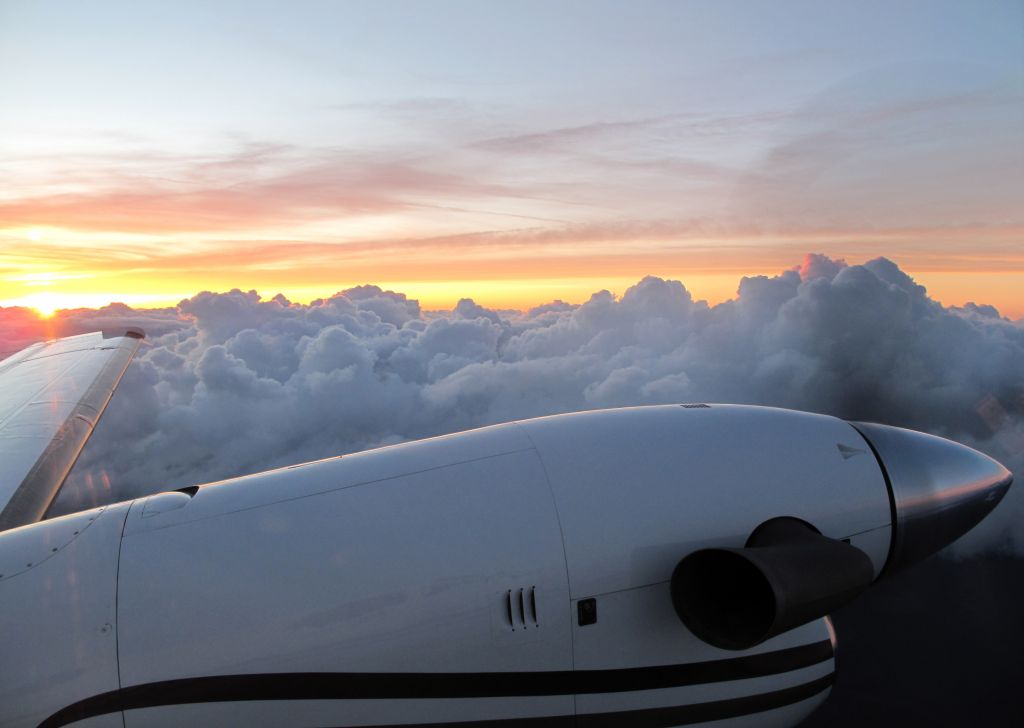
<point x="940" y="489"/>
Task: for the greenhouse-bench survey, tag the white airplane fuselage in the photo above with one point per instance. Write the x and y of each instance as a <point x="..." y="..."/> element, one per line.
<point x="517" y="575"/>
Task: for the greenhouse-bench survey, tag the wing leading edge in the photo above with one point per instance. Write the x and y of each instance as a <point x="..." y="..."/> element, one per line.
<point x="52" y="394"/>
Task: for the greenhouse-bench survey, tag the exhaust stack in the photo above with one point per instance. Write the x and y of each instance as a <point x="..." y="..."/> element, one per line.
<point x="787" y="575"/>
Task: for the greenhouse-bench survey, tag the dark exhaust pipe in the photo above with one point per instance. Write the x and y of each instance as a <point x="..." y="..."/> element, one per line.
<point x="787" y="575"/>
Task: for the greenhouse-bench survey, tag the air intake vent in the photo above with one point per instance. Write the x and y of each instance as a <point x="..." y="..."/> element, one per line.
<point x="695" y="406"/>
<point x="521" y="609"/>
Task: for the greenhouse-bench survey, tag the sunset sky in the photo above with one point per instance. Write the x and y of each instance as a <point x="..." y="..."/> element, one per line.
<point x="511" y="152"/>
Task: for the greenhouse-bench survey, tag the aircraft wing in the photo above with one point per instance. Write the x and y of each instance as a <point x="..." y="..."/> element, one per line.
<point x="51" y="397"/>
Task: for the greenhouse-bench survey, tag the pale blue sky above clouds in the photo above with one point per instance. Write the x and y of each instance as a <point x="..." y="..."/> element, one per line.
<point x="595" y="123"/>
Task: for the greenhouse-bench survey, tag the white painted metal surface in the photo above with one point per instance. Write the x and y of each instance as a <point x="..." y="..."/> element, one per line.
<point x="406" y="572"/>
<point x="406" y="556"/>
<point x="51" y="396"/>
<point x="638" y="488"/>
<point x="39" y="391"/>
<point x="58" y="643"/>
<point x="323" y="476"/>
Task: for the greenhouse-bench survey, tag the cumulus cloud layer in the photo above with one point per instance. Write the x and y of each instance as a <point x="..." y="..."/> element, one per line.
<point x="233" y="384"/>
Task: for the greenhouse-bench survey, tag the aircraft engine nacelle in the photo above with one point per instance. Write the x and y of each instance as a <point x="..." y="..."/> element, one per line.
<point x="670" y="565"/>
<point x="788" y="574"/>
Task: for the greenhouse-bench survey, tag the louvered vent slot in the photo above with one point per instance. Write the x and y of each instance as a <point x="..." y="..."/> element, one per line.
<point x="695" y="406"/>
<point x="508" y="609"/>
<point x="521" y="608"/>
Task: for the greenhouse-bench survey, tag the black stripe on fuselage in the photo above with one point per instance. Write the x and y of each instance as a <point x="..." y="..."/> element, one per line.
<point x="705" y="712"/>
<point x="650" y="717"/>
<point x="403" y="685"/>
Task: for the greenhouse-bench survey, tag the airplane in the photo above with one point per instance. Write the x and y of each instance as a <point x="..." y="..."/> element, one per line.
<point x="647" y="566"/>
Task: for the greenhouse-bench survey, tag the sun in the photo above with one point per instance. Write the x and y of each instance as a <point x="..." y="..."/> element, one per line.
<point x="46" y="304"/>
<point x="45" y="310"/>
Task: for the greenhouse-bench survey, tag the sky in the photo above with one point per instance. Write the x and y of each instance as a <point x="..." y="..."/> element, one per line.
<point x="514" y="153"/>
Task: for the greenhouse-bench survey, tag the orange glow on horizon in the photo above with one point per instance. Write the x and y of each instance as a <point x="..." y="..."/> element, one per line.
<point x="949" y="288"/>
<point x="48" y="268"/>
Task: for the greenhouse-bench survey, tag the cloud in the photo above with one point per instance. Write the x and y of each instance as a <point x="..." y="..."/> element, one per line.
<point x="231" y="383"/>
<point x="20" y="326"/>
<point x="874" y="146"/>
<point x="556" y="139"/>
<point x="255" y="185"/>
<point x="688" y="125"/>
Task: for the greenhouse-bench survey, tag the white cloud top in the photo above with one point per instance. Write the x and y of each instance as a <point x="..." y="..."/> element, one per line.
<point x="233" y="384"/>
